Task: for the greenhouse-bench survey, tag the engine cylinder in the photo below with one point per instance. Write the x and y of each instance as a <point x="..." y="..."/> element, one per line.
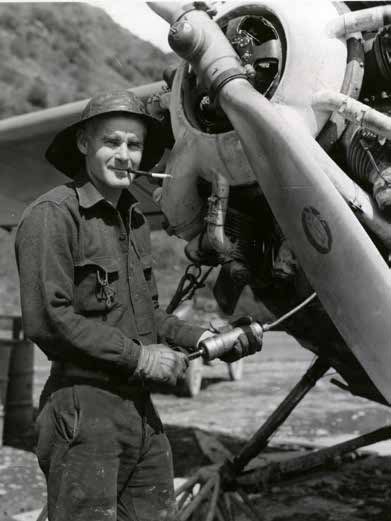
<point x="359" y="160"/>
<point x="369" y="162"/>
<point x="378" y="62"/>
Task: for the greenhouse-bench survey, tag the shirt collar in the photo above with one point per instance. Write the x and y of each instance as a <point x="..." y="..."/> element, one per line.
<point x="127" y="199"/>
<point x="89" y="196"/>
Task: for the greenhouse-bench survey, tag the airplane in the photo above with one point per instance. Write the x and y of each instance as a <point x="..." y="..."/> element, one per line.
<point x="279" y="172"/>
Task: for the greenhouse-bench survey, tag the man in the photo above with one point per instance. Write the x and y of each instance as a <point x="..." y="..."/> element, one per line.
<point x="89" y="301"/>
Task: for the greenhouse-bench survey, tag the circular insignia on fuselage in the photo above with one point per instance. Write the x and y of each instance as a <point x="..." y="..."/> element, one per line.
<point x="316" y="230"/>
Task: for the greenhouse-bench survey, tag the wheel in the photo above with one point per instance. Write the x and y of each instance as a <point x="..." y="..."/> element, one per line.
<point x="191" y="385"/>
<point x="235" y="370"/>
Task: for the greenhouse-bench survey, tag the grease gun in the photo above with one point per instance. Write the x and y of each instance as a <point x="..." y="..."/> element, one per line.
<point x="219" y="345"/>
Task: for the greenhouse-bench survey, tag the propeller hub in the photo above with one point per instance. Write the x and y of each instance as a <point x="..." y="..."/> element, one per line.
<point x="184" y="39"/>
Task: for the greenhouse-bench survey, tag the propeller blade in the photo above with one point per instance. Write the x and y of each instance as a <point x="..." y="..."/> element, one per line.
<point x="169" y="11"/>
<point x="341" y="262"/>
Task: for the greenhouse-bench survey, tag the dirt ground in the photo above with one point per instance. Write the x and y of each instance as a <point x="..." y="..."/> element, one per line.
<point x="356" y="490"/>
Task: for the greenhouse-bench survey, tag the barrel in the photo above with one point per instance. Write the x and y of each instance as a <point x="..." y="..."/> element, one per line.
<point x="18" y="417"/>
<point x="6" y="346"/>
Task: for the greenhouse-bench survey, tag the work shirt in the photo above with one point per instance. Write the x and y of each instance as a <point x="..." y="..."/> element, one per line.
<point x="88" y="291"/>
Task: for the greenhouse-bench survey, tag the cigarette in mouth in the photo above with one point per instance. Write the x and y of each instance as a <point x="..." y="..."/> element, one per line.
<point x="151" y="174"/>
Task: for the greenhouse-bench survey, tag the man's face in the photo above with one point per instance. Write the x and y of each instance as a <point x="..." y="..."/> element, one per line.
<point x="113" y="147"/>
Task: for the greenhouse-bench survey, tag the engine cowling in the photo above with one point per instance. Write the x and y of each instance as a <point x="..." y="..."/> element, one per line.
<point x="289" y="55"/>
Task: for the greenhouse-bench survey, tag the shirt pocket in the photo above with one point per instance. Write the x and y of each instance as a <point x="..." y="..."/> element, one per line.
<point x="96" y="285"/>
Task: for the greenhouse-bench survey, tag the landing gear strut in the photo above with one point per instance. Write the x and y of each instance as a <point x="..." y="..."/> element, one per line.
<point x="214" y="492"/>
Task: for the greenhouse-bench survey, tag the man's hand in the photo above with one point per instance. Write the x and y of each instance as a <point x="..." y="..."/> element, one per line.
<point x="246" y="344"/>
<point x="161" y="364"/>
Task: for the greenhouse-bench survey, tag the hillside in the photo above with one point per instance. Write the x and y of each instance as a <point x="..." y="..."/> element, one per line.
<point x="52" y="54"/>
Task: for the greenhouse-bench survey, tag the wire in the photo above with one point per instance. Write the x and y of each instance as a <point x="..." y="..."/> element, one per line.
<point x="268" y="327"/>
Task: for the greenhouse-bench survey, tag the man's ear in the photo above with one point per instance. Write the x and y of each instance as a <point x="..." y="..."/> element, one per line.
<point x="81" y="140"/>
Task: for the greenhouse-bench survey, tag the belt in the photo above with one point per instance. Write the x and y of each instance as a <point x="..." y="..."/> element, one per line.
<point x="70" y="370"/>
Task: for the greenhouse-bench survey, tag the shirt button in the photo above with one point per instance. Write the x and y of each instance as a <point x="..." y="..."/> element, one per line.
<point x="122" y="236"/>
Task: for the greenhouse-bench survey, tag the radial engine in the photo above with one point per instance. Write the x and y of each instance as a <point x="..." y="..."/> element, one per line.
<point x="324" y="65"/>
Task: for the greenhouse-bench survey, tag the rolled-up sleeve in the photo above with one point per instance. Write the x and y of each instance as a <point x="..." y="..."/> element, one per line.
<point x="45" y="246"/>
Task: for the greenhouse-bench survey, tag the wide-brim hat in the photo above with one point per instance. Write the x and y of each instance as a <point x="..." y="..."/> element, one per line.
<point x="63" y="152"/>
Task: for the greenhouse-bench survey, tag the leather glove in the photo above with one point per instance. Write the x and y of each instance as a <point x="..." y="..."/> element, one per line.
<point x="246" y="344"/>
<point x="159" y="363"/>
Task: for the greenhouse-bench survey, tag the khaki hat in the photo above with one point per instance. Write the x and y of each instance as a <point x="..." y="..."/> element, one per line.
<point x="63" y="152"/>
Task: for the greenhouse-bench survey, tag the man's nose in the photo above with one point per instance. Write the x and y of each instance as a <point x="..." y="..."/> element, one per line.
<point x="122" y="152"/>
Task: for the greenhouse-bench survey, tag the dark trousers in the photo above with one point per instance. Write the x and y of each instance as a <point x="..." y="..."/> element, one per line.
<point x="104" y="454"/>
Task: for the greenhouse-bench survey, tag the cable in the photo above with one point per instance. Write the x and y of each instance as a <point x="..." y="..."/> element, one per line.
<point x="268" y="327"/>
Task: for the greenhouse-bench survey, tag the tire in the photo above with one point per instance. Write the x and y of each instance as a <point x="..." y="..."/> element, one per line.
<point x="235" y="370"/>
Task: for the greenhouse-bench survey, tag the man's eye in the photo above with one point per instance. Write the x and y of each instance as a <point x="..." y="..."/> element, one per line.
<point x="112" y="142"/>
<point x="135" y="146"/>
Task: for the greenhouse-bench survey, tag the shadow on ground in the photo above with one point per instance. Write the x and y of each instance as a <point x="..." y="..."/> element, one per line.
<point x="357" y="490"/>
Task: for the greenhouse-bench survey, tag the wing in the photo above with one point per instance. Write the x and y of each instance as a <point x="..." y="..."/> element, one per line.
<point x="25" y="174"/>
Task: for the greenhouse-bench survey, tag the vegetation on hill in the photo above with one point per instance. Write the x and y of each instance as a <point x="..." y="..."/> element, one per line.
<point x="55" y="53"/>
